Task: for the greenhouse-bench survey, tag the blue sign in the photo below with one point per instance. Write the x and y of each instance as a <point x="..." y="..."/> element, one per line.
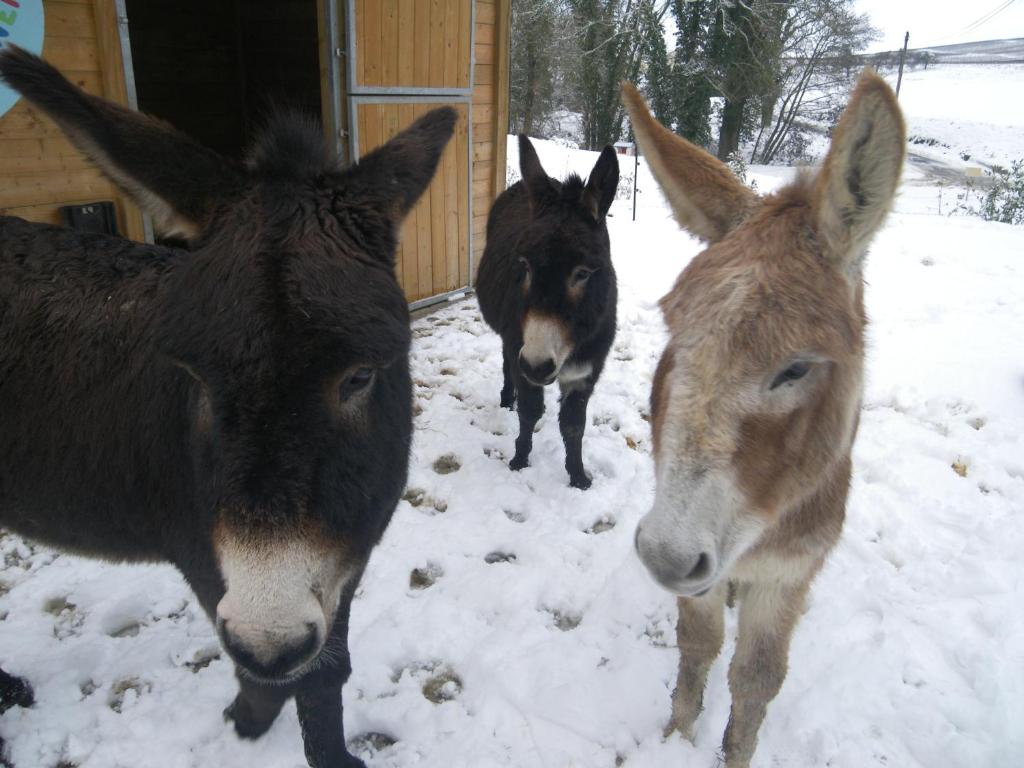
<point x="21" y="23"/>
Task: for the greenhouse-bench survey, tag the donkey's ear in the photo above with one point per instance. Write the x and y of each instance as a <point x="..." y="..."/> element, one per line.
<point x="396" y="173"/>
<point x="602" y="184"/>
<point x="178" y="181"/>
<point x="538" y="184"/>
<point x="706" y="198"/>
<point x="857" y="183"/>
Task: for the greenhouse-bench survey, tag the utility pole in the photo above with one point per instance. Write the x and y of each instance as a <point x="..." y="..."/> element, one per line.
<point x="903" y="57"/>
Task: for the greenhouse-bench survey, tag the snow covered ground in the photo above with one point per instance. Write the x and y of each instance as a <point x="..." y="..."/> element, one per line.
<point x="505" y="621"/>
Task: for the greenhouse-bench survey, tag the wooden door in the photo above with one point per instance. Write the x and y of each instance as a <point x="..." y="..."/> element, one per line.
<point x="404" y="58"/>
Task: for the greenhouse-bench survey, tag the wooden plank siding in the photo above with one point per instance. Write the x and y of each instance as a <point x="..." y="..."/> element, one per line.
<point x="433" y="249"/>
<point x="39" y="169"/>
<point x="490" y="113"/>
<point x="412" y="43"/>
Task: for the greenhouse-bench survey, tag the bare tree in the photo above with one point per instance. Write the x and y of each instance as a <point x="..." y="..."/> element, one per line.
<point x="819" y="40"/>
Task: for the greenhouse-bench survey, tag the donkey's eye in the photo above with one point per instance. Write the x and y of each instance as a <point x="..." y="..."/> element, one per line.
<point x="580" y="275"/>
<point x="796" y="371"/>
<point x="357" y="381"/>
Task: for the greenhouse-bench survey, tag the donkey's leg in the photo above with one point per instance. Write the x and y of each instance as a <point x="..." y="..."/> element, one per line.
<point x="14" y="692"/>
<point x="256" y="706"/>
<point x="508" y="373"/>
<point x="572" y="421"/>
<point x="768" y="613"/>
<point x="531" y="408"/>
<point x="699" y="633"/>
<point x="318" y="697"/>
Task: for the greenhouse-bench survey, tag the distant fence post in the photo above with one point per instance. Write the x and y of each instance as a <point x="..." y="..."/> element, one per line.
<point x="636" y="172"/>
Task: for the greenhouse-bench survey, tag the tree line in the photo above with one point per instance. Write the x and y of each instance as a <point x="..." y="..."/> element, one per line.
<point x="767" y="73"/>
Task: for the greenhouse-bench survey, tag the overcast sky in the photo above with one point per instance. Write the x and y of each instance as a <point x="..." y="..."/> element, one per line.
<point x="942" y="22"/>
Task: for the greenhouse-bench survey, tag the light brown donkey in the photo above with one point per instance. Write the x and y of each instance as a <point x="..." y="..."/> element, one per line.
<point x="755" y="401"/>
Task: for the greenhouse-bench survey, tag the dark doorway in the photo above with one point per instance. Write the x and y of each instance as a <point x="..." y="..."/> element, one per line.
<point x="215" y="69"/>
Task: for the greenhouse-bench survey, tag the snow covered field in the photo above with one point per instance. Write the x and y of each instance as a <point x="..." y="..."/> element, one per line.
<point x="505" y="621"/>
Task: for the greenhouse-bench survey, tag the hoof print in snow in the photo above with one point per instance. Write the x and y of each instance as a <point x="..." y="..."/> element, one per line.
<point x="499" y="557"/>
<point x="69" y="619"/>
<point x="976" y="423"/>
<point x="565" y="620"/>
<point x="417" y="410"/>
<point x="4" y="588"/>
<point x="515" y="517"/>
<point x="370" y="743"/>
<point x="422" y="578"/>
<point x="414" y="496"/>
<point x="127" y="691"/>
<point x="655" y="636"/>
<point x="129" y="629"/>
<point x="88" y="688"/>
<point x="601" y="526"/>
<point x="202" y="659"/>
<point x="611" y="421"/>
<point x="442" y="687"/>
<point x="630" y="443"/>
<point x="418" y="498"/>
<point x="960" y="467"/>
<point x="495" y="453"/>
<point x="448" y="372"/>
<point x="447" y="464"/>
<point x="55" y="606"/>
<point x="927" y="261"/>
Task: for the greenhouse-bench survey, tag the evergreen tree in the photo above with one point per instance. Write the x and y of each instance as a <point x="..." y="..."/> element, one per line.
<point x="533" y="60"/>
<point x="690" y="89"/>
<point x="657" y="72"/>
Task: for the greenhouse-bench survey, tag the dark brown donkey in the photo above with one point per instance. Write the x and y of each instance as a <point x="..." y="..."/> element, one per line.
<point x="755" y="401"/>
<point x="547" y="286"/>
<point x="241" y="409"/>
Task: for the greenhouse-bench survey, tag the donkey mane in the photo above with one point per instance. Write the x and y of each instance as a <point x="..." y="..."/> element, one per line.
<point x="572" y="188"/>
<point x="290" y="146"/>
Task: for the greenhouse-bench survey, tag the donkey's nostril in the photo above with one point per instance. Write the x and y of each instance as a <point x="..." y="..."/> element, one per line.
<point x="701" y="570"/>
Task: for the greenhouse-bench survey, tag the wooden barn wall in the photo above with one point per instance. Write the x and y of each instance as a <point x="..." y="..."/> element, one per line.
<point x="424" y="43"/>
<point x="39" y="169"/>
<point x="433" y="249"/>
<point x="401" y="48"/>
<point x="490" y="113"/>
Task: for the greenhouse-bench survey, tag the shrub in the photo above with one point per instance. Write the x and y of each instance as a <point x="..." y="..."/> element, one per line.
<point x="1004" y="201"/>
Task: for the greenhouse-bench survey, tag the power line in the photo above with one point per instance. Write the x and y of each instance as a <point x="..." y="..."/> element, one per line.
<point x="988" y="17"/>
<point x="983" y="19"/>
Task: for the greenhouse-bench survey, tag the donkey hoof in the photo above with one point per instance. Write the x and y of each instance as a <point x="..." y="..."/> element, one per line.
<point x="14" y="692"/>
<point x="508" y="401"/>
<point x="582" y="481"/>
<point x="518" y="463"/>
<point x="246" y="725"/>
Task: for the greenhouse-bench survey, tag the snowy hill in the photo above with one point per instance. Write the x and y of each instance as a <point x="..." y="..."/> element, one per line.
<point x="986" y="52"/>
